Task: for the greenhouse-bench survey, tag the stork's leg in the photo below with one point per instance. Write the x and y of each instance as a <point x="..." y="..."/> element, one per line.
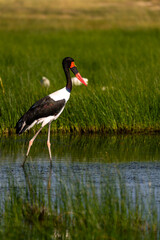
<point x="49" y="143"/>
<point x="30" y="144"/>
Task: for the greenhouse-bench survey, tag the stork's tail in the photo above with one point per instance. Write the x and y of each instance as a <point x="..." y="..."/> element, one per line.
<point x="21" y="126"/>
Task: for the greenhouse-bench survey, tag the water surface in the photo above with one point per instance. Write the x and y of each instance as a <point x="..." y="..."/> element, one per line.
<point x="131" y="160"/>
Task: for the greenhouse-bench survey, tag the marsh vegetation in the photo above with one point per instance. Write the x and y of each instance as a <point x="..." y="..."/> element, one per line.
<point x="101" y="186"/>
<point x="122" y="68"/>
<point x="98" y="188"/>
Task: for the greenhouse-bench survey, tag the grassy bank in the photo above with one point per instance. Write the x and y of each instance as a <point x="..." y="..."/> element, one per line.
<point x="122" y="67"/>
<point x="73" y="209"/>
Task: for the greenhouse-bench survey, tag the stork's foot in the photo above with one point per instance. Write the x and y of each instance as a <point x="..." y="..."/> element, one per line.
<point x="29" y="146"/>
<point x="50" y="163"/>
<point x="24" y="161"/>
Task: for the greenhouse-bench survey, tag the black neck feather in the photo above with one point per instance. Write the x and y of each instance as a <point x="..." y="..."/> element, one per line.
<point x="68" y="78"/>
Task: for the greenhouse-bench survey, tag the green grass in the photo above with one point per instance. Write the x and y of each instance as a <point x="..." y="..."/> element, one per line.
<point x="73" y="210"/>
<point x="125" y="62"/>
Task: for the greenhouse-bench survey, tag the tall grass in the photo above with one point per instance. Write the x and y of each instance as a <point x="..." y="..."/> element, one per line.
<point x="73" y="210"/>
<point x="122" y="68"/>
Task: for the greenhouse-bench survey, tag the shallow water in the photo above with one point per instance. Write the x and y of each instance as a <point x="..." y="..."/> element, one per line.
<point x="133" y="160"/>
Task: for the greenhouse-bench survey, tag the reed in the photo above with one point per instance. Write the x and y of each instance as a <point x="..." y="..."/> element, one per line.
<point x="122" y="67"/>
<point x="73" y="209"/>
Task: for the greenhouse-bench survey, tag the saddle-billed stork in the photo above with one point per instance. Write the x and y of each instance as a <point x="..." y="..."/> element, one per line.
<point x="48" y="108"/>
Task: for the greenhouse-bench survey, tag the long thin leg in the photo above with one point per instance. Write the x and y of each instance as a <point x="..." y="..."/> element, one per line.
<point x="49" y="143"/>
<point x="30" y="144"/>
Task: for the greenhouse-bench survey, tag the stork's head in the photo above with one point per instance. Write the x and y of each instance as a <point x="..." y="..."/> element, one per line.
<point x="68" y="63"/>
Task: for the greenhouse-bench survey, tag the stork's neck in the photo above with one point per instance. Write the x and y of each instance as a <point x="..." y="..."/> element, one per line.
<point x="68" y="78"/>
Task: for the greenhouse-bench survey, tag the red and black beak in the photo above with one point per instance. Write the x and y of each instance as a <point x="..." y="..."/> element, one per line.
<point x="76" y="73"/>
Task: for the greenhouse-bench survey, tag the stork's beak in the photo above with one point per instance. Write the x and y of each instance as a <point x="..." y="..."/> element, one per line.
<point x="76" y="73"/>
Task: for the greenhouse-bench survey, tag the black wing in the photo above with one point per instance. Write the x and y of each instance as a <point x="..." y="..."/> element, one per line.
<point x="45" y="107"/>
